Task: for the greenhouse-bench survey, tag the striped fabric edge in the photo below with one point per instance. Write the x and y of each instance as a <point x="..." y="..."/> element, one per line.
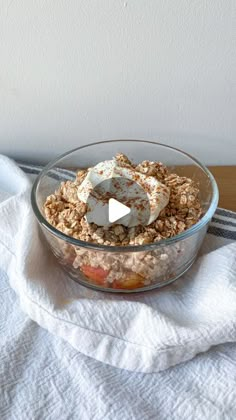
<point x="36" y="169"/>
<point x="223" y="223"/>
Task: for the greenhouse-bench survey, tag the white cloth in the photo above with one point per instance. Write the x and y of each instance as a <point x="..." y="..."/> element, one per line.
<point x="146" y="332"/>
<point x="42" y="377"/>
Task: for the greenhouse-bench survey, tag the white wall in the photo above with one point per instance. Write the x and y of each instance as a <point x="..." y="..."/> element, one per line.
<point x="76" y="71"/>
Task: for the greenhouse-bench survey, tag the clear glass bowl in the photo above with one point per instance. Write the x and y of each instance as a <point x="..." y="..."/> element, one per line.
<point x="165" y="260"/>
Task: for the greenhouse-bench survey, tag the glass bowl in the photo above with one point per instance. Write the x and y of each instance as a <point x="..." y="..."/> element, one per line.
<point x="165" y="260"/>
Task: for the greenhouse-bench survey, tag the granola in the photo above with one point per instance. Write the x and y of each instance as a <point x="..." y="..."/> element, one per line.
<point x="66" y="212"/>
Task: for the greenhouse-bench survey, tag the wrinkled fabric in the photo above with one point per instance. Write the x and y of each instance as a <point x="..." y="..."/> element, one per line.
<point x="144" y="332"/>
<point x="43" y="376"/>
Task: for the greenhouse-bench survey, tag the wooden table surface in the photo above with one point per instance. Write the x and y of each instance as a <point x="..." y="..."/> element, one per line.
<point x="226" y="179"/>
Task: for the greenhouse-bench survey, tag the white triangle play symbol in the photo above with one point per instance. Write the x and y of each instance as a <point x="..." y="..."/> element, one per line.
<point x="116" y="210"/>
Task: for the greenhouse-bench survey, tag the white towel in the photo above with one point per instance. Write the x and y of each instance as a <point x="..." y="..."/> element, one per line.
<point x="145" y="332"/>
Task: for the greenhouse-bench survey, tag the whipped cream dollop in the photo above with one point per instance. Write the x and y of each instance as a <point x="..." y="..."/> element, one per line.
<point x="157" y="194"/>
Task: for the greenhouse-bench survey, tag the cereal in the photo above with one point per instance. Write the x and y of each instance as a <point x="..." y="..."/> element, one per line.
<point x="64" y="211"/>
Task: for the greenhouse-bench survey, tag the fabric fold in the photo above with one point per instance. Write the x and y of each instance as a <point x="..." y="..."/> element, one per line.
<point x="144" y="332"/>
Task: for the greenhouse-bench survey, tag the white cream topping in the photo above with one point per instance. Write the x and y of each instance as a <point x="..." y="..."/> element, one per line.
<point x="157" y="194"/>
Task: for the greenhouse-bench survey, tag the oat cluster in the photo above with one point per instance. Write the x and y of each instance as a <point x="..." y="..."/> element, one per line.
<point x="66" y="212"/>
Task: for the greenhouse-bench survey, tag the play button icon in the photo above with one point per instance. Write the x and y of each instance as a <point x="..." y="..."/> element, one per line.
<point x="116" y="210"/>
<point x="118" y="200"/>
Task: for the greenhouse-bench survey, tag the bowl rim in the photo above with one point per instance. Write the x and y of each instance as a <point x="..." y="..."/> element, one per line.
<point x="125" y="248"/>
